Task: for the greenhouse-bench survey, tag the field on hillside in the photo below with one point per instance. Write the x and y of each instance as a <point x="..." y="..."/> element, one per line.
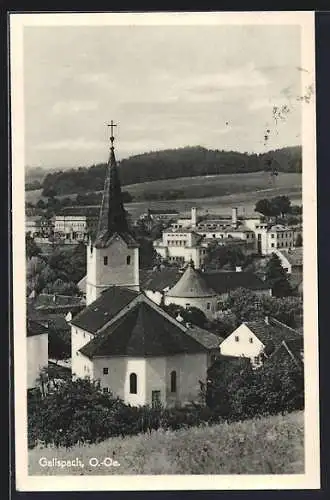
<point x="272" y="445"/>
<point x="210" y="192"/>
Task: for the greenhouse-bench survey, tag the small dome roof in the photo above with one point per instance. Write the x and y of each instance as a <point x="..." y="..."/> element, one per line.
<point x="191" y="284"/>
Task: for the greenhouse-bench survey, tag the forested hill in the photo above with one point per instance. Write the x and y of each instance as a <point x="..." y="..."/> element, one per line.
<point x="173" y="163"/>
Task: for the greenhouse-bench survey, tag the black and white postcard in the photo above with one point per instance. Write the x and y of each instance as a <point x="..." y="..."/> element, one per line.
<point x="164" y="251"/>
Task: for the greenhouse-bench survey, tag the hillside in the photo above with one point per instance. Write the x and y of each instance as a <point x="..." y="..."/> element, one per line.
<point x="173" y="164"/>
<point x="271" y="445"/>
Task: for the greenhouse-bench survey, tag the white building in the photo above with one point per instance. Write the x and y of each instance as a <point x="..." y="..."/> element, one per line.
<point x="274" y="237"/>
<point x="256" y="339"/>
<point x="182" y="246"/>
<point x="37" y="351"/>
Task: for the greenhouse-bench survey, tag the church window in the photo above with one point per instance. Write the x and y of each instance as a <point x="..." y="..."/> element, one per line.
<point x="105" y="371"/>
<point x="208" y="305"/>
<point x="173" y="381"/>
<point x="251" y="340"/>
<point x="128" y="259"/>
<point x="105" y="260"/>
<point x="133" y="383"/>
<point x="236" y="338"/>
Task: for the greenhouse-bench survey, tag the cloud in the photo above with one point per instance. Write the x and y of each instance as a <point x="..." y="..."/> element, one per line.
<point x="72" y="107"/>
<point x="70" y="144"/>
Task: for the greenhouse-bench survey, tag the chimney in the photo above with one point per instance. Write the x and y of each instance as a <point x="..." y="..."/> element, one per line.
<point x="193" y="216"/>
<point x="234" y="217"/>
<point x="54" y="298"/>
<point x="267" y="320"/>
<point x="188" y="325"/>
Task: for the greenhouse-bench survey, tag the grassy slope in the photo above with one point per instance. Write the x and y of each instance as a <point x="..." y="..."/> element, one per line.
<point x="209" y="186"/>
<point x="273" y="445"/>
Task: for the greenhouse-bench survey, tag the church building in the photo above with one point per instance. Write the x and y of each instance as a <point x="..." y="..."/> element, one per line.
<point x="123" y="339"/>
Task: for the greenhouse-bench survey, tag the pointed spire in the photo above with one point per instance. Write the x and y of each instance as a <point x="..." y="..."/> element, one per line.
<point x="112" y="217"/>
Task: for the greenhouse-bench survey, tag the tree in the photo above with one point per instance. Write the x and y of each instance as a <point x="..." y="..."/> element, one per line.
<point x="264" y="207"/>
<point x="31" y="248"/>
<point x="281" y="205"/>
<point x="277" y="278"/>
<point x="195" y="316"/>
<point x="41" y="204"/>
<point x="244" y="305"/>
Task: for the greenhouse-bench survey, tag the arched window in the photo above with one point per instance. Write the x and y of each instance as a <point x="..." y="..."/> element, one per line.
<point x="173" y="381"/>
<point x="128" y="259"/>
<point x="133" y="383"/>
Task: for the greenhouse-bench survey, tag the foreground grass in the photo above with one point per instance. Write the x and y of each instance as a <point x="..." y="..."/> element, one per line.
<point x="272" y="445"/>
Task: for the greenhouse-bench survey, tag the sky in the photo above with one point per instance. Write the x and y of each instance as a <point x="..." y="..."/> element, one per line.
<point x="165" y="87"/>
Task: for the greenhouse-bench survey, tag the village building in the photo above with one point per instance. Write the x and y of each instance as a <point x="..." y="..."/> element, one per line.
<point x="182" y="246"/>
<point x="75" y="223"/>
<point x="258" y="339"/>
<point x="37" y="351"/>
<point x="33" y="225"/>
<point x="195" y="288"/>
<point x="291" y="259"/>
<point x="122" y="338"/>
<point x="274" y="237"/>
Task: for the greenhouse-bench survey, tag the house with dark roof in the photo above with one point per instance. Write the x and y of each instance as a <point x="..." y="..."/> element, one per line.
<point x="258" y="339"/>
<point x="37" y="351"/>
<point x="195" y="288"/>
<point x="138" y="352"/>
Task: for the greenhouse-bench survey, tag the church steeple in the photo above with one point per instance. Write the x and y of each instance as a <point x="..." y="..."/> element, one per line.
<point x="112" y="217"/>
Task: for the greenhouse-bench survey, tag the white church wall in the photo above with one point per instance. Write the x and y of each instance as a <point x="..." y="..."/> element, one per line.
<point x="154" y="296"/>
<point x="117" y="380"/>
<point x="37" y="357"/>
<point x="206" y="304"/>
<point x="156" y="378"/>
<point x="191" y="368"/>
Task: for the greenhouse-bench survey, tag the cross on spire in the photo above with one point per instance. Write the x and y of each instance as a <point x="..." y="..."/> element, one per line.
<point x="111" y="125"/>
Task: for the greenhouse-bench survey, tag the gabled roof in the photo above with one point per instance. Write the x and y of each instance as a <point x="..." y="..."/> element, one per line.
<point x="105" y="308"/>
<point x="191" y="284"/>
<point x="146" y="330"/>
<point x="226" y="281"/>
<point x="290" y="350"/>
<point x="159" y="279"/>
<point x="294" y="256"/>
<point x="35" y="328"/>
<point x="273" y="333"/>
<point x="204" y="337"/>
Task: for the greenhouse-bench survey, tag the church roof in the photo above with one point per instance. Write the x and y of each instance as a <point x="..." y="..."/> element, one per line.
<point x="112" y="218"/>
<point x="191" y="284"/>
<point x="104" y="308"/>
<point x="226" y="281"/>
<point x="146" y="330"/>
